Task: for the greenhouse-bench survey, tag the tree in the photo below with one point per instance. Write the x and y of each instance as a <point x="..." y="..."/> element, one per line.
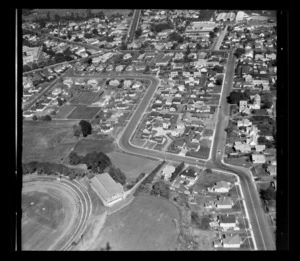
<point x="219" y="80"/>
<point x="212" y="34"/>
<point x="34" y="117"/>
<point x="138" y="33"/>
<point x="208" y="171"/>
<point x="97" y="162"/>
<point x="46" y="118"/>
<point x="238" y="52"/>
<point x="235" y="97"/>
<point x="117" y="175"/>
<point x="268" y="194"/>
<point x="86" y="128"/>
<point x="177" y="170"/>
<point x="161" y="189"/>
<point x="95" y="31"/>
<point x="74" y="158"/>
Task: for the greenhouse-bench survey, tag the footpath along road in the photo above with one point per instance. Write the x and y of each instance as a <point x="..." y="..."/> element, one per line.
<point x="260" y="230"/>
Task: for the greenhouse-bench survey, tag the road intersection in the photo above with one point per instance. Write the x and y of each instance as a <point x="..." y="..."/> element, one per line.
<point x="262" y="235"/>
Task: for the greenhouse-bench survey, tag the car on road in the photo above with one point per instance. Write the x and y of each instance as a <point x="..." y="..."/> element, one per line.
<point x="219" y="151"/>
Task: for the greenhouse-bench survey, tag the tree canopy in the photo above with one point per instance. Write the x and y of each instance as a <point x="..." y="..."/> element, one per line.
<point x="86" y="128"/>
<point x="235" y="97"/>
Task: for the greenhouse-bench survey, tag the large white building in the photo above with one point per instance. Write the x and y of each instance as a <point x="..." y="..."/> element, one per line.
<point x="107" y="189"/>
<point x="241" y="16"/>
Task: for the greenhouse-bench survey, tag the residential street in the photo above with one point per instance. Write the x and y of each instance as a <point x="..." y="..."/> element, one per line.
<point x="257" y="218"/>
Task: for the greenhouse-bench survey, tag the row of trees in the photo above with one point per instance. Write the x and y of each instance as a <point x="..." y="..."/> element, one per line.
<point x="176" y="172"/>
<point x="50" y="168"/>
<point x="143" y="187"/>
<point x="42" y="118"/>
<point x="98" y="162"/>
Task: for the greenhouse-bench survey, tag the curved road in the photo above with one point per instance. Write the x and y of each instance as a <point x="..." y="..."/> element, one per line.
<point x="264" y="240"/>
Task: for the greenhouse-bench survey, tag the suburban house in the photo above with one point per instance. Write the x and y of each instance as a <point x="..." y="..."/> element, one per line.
<point x="107" y="189"/>
<point x="167" y="171"/>
<point x="227" y="221"/>
<point x="220" y="187"/>
<point x="258" y="158"/>
<point x="232" y="241"/>
<point x="190" y="175"/>
<point x="224" y="203"/>
<point x="242" y="147"/>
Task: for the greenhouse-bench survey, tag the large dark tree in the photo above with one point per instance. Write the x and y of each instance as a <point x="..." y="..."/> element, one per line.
<point x="161" y="189"/>
<point x="268" y="194"/>
<point x="97" y="162"/>
<point x="86" y="128"/>
<point x="239" y="52"/>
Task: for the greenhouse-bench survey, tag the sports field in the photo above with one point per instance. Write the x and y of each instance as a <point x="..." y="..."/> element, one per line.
<point x="48" y="215"/>
<point x="131" y="165"/>
<point x="47" y="141"/>
<point x="146" y="224"/>
<point x="83" y="112"/>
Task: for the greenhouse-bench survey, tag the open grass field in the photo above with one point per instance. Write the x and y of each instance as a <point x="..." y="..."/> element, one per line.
<point x="48" y="215"/>
<point x="84" y="146"/>
<point x="85" y="98"/>
<point x="145" y="224"/>
<point x="47" y="141"/>
<point x="83" y="112"/>
<point x="64" y="112"/>
<point x="131" y="165"/>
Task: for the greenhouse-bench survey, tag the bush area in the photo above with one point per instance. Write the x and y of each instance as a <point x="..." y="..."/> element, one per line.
<point x="98" y="162"/>
<point x="49" y="168"/>
<point x="145" y="186"/>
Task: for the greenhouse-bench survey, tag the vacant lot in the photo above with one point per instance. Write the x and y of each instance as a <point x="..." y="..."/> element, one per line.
<point x="131" y="165"/>
<point x="85" y="98"/>
<point x="85" y="146"/>
<point x="83" y="112"/>
<point x="49" y="213"/>
<point x="145" y="224"/>
<point x="240" y="161"/>
<point x="64" y="112"/>
<point x="47" y="141"/>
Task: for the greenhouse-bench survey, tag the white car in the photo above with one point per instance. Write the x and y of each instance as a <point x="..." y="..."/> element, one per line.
<point x="219" y="151"/>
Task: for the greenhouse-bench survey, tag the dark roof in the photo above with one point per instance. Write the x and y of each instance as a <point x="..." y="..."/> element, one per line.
<point x="228" y="219"/>
<point x="189" y="173"/>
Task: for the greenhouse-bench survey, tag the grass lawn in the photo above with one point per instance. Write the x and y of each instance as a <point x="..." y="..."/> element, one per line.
<point x="85" y="98"/>
<point x="138" y="142"/>
<point x="202" y="153"/>
<point x="239" y="161"/>
<point x="145" y="224"/>
<point x="83" y="112"/>
<point x="64" y="112"/>
<point x="47" y="141"/>
<point x="131" y="165"/>
<point x="85" y="146"/>
<point x="207" y="180"/>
